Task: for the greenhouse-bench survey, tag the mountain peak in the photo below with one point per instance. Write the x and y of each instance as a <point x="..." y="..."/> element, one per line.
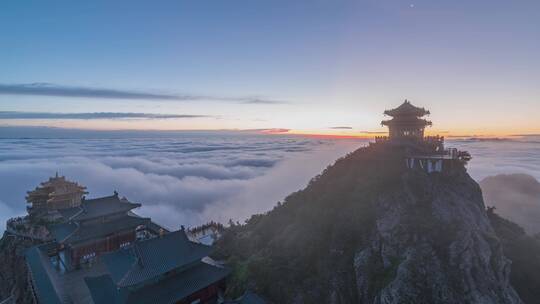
<point x="370" y="229"/>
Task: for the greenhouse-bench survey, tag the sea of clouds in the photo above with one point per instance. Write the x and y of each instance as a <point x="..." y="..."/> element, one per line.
<point x="508" y="171"/>
<point x="492" y="156"/>
<point x="189" y="178"/>
<point x="181" y="178"/>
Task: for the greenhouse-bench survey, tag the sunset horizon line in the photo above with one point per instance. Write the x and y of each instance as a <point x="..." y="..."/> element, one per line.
<point x="313" y="133"/>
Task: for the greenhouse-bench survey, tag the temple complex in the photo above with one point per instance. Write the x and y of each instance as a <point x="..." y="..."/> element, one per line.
<point x="54" y="194"/>
<point x="100" y="251"/>
<point x="168" y="268"/>
<point x="406" y="131"/>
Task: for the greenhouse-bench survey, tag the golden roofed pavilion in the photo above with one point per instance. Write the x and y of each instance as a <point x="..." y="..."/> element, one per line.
<point x="56" y="193"/>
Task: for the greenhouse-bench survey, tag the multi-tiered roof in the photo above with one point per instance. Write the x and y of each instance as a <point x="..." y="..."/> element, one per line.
<point x="407" y="109"/>
<point x="407" y="121"/>
<point x="427" y="153"/>
<point x="56" y="193"/>
<point x="89" y="220"/>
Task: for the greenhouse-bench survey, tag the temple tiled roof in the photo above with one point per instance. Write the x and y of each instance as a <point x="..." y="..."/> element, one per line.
<point x="56" y="186"/>
<point x="103" y="290"/>
<point x="61" y="232"/>
<point x="169" y="290"/>
<point x="43" y="287"/>
<point x="151" y="258"/>
<point x="248" y="298"/>
<point x="144" y="271"/>
<point x="93" y="208"/>
<point x="180" y="286"/>
<point x="71" y="232"/>
<point x="407" y="109"/>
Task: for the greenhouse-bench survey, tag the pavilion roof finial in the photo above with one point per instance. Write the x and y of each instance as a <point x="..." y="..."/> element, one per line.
<point x="407" y="109"/>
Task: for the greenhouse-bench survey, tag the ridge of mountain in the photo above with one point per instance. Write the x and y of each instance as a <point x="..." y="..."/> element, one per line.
<point x="370" y="230"/>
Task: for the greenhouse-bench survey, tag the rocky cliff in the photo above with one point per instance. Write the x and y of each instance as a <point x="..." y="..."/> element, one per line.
<point x="13" y="273"/>
<point x="524" y="252"/>
<point x="368" y="230"/>
<point x="434" y="240"/>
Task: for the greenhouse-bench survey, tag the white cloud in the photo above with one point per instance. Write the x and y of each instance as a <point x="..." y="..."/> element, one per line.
<point x="5" y="213"/>
<point x="188" y="179"/>
<point x="263" y="192"/>
<point x="502" y="156"/>
<point x="180" y="181"/>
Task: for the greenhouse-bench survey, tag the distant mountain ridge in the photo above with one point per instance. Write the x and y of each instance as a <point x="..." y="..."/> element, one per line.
<point x="369" y="230"/>
<point x="516" y="197"/>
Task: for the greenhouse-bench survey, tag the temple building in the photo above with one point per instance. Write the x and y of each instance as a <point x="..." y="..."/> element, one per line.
<point x="406" y="131"/>
<point x="55" y="194"/>
<point x="406" y="122"/>
<point x="97" y="226"/>
<point x="100" y="251"/>
<point x="167" y="269"/>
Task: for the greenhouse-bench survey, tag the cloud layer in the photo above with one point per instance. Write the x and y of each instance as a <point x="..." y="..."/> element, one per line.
<point x="188" y="178"/>
<point x="181" y="179"/>
<point x="501" y="156"/>
<point x="49" y="89"/>
<point x="93" y="115"/>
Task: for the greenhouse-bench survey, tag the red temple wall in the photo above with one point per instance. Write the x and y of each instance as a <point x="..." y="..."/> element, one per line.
<point x="108" y="244"/>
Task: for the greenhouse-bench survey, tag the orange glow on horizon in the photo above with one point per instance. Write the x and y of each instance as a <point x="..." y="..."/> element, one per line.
<point x="211" y="125"/>
<point x="351" y="134"/>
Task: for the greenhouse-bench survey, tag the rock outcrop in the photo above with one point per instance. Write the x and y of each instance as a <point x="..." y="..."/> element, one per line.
<point x="524" y="252"/>
<point x="433" y="243"/>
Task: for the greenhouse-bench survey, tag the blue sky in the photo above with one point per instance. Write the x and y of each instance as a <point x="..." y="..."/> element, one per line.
<point x="475" y="64"/>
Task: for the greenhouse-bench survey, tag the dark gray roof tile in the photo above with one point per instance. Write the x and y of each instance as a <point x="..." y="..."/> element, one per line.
<point x="151" y="258"/>
<point x="168" y="290"/>
<point x="45" y="291"/>
<point x="73" y="232"/>
<point x="97" y="207"/>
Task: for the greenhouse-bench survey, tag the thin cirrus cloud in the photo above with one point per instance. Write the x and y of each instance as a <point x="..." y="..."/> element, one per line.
<point x="373" y="132"/>
<point x="48" y="89"/>
<point x="94" y="115"/>
<point x="255" y="100"/>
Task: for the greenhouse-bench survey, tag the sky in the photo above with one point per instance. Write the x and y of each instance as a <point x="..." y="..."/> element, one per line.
<point x="317" y="66"/>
